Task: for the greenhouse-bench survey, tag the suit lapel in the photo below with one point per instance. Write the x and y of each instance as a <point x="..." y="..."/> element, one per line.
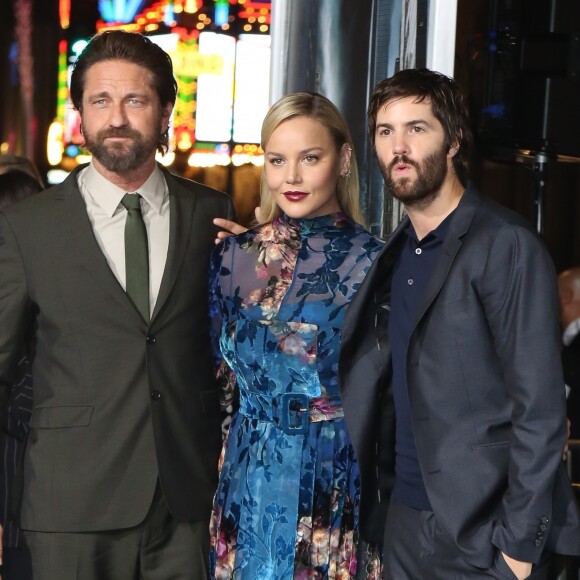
<point x="82" y="244"/>
<point x="181" y="207"/>
<point x="458" y="227"/>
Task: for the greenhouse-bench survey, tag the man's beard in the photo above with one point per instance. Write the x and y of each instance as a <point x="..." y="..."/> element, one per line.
<point x="121" y="157"/>
<point x="424" y="188"/>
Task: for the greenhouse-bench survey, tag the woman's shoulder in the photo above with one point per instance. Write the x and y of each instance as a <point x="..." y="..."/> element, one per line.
<point x="366" y="235"/>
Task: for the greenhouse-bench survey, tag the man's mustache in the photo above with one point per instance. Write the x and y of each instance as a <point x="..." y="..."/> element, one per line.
<point x="118" y="132"/>
<point x="402" y="159"/>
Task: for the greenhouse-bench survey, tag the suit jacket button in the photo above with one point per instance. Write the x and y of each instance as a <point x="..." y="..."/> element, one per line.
<point x="543" y="527"/>
<point x="544" y="520"/>
<point x="155" y="395"/>
<point x="538" y="542"/>
<point x="151" y="339"/>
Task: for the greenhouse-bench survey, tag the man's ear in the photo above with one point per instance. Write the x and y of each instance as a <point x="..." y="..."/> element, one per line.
<point x="566" y="296"/>
<point x="455" y="146"/>
<point x="166" y="114"/>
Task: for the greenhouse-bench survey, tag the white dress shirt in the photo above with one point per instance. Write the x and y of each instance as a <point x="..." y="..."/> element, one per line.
<point x="107" y="216"/>
<point x="571" y="331"/>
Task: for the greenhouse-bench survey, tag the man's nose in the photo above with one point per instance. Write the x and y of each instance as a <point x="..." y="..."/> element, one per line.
<point x="118" y="117"/>
<point x="400" y="145"/>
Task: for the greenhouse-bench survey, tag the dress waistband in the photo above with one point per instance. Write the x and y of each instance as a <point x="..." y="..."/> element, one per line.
<point x="291" y="412"/>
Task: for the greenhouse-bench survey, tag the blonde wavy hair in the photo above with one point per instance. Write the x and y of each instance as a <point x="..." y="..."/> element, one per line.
<point x="319" y="108"/>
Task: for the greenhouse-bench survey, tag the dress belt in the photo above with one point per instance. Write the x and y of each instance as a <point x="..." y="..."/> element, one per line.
<point x="291" y="412"/>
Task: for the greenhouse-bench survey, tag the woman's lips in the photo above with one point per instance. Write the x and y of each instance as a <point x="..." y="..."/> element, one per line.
<point x="294" y="195"/>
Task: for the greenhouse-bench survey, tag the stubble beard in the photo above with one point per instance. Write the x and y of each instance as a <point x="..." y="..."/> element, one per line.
<point x="425" y="187"/>
<point x="121" y="157"/>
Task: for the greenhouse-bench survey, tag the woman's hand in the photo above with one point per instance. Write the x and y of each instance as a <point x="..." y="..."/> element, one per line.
<point x="228" y="228"/>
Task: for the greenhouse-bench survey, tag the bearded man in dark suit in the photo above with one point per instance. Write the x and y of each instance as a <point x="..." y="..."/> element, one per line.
<point x="450" y="364"/>
<point x="105" y="277"/>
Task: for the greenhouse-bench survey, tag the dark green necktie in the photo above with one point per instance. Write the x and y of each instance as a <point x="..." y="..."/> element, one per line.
<point x="136" y="255"/>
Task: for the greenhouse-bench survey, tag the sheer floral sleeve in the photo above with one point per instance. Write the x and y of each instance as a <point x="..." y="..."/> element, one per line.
<point x="225" y="376"/>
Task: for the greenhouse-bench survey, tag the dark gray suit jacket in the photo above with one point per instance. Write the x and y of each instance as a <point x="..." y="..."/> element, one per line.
<point x="485" y="386"/>
<point x="118" y="403"/>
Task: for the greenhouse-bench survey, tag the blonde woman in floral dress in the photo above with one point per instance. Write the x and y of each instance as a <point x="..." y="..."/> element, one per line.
<point x="287" y="503"/>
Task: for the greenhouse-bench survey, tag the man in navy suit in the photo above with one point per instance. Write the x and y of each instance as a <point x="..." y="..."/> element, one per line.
<point x="450" y="366"/>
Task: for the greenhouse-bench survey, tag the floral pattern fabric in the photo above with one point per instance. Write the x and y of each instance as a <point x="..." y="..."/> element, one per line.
<point x="287" y="503"/>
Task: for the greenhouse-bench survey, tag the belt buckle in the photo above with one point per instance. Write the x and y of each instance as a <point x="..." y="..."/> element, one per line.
<point x="296" y="403"/>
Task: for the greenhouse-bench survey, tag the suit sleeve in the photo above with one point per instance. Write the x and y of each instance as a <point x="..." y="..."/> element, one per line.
<point x="521" y="304"/>
<point x="15" y="309"/>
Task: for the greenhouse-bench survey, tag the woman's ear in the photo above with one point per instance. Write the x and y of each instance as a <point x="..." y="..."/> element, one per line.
<point x="345" y="156"/>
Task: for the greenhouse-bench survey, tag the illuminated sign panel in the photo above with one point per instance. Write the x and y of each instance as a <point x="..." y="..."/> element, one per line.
<point x="252" y="82"/>
<point x="213" y="121"/>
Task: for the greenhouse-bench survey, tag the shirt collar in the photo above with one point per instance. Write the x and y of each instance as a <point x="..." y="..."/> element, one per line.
<point x="572" y="330"/>
<point x="108" y="196"/>
<point x="438" y="233"/>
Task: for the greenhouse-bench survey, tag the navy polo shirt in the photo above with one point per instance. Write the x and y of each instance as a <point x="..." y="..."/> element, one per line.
<point x="411" y="271"/>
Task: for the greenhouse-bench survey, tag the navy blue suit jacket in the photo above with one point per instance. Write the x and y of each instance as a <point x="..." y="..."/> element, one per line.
<point x="485" y="386"/>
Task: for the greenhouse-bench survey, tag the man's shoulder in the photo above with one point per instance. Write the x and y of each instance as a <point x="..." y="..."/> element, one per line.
<point x="493" y="217"/>
<point x="42" y="206"/>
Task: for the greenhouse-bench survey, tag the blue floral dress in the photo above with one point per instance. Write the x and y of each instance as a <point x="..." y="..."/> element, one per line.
<point x="288" y="494"/>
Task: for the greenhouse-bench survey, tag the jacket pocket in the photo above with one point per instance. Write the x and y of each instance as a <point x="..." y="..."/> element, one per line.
<point x="61" y="417"/>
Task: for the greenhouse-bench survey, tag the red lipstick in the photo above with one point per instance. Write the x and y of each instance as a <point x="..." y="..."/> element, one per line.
<point x="294" y="195"/>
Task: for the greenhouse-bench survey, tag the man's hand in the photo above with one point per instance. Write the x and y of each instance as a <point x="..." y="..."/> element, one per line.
<point x="520" y="569"/>
<point x="229" y="228"/>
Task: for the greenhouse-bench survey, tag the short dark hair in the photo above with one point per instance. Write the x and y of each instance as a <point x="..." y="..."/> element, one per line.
<point x="16" y="185"/>
<point x="447" y="103"/>
<point x="132" y="47"/>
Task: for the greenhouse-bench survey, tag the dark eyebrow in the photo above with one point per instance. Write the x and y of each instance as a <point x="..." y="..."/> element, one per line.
<point x="106" y="94"/>
<point x="407" y="124"/>
<point x="98" y="95"/>
<point x="417" y="122"/>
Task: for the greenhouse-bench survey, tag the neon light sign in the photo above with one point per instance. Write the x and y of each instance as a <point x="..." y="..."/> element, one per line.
<point x="119" y="10"/>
